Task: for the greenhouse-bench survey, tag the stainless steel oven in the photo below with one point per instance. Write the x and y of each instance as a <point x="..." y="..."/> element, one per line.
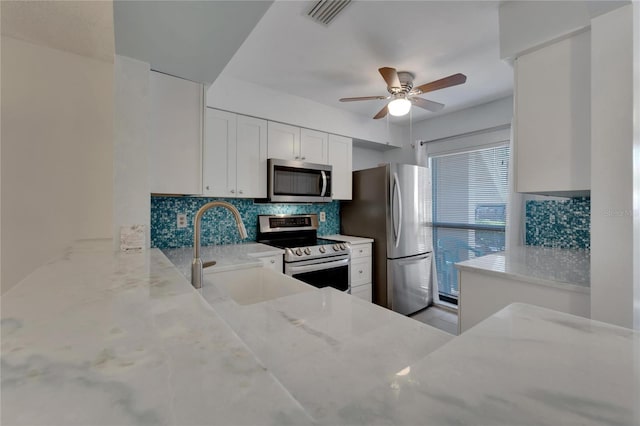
<point x="308" y="258"/>
<point x="291" y="181"/>
<point x="334" y="272"/>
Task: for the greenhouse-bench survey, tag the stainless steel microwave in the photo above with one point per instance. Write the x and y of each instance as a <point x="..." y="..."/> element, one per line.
<point x="292" y="181"/>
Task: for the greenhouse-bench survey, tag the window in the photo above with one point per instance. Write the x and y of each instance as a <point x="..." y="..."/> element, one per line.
<point x="469" y="210"/>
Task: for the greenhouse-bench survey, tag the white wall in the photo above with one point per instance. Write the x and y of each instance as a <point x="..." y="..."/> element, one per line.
<point x="496" y="113"/>
<point x="612" y="191"/>
<point x="242" y="97"/>
<point x="57" y="153"/>
<point x="131" y="124"/>
<point x="525" y="25"/>
<point x="364" y="158"/>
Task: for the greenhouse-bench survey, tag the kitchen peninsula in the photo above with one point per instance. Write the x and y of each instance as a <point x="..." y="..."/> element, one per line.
<point x="95" y="337"/>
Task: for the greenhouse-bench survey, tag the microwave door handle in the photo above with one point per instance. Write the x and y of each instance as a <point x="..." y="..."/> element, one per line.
<point x="324" y="183"/>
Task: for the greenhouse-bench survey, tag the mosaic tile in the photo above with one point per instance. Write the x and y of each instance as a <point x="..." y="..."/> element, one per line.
<point x="561" y="224"/>
<point x="218" y="226"/>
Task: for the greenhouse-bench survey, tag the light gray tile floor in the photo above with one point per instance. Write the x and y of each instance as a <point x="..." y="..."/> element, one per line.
<point x="439" y="318"/>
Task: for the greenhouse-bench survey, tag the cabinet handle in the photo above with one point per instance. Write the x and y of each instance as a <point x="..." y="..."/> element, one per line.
<point x="273" y="261"/>
<point x="360" y="271"/>
<point x="297" y="157"/>
<point x="240" y="191"/>
<point x="303" y="158"/>
<point x="360" y="250"/>
<point x="233" y="191"/>
<point x="207" y="187"/>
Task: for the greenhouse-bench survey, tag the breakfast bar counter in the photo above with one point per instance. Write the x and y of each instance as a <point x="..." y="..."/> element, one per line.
<point x="96" y="337"/>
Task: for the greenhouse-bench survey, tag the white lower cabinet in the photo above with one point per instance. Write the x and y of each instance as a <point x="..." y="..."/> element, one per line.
<point x="361" y="271"/>
<point x="273" y="262"/>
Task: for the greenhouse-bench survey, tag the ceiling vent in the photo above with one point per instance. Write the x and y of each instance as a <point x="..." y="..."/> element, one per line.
<point x="326" y="11"/>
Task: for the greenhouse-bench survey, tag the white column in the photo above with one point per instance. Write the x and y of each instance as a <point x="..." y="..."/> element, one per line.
<point x="613" y="235"/>
<point x="131" y="193"/>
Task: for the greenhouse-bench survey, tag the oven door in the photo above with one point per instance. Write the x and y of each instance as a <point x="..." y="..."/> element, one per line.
<point x="333" y="273"/>
<point x="296" y="181"/>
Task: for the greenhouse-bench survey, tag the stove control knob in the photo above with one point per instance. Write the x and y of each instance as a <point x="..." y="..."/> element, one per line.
<point x="298" y="252"/>
<point x="307" y="251"/>
<point x="342" y="246"/>
<point x="288" y="252"/>
<point x="322" y="249"/>
<point x="336" y="247"/>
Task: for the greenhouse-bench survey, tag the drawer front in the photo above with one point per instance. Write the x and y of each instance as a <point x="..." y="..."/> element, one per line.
<point x="360" y="271"/>
<point x="363" y="292"/>
<point x="360" y="250"/>
<point x="273" y="262"/>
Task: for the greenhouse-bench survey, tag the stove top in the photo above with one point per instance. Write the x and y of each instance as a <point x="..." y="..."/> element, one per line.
<point x="299" y="242"/>
<point x="297" y="235"/>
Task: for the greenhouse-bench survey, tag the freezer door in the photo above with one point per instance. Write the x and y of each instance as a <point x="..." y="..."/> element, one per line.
<point x="409" y="283"/>
<point x="409" y="212"/>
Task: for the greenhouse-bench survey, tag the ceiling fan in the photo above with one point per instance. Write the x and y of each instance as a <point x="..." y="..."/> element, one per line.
<point x="400" y="87"/>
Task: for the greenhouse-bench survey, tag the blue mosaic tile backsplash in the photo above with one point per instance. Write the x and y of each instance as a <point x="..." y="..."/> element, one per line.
<point x="562" y="224"/>
<point x="218" y="226"/>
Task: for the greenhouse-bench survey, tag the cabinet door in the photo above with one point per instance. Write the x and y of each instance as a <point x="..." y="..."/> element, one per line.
<point x="362" y="292"/>
<point x="219" y="154"/>
<point x="273" y="262"/>
<point x="339" y="156"/>
<point x="176" y="135"/>
<point x="283" y="141"/>
<point x="313" y="146"/>
<point x="552" y="121"/>
<point x="251" y="171"/>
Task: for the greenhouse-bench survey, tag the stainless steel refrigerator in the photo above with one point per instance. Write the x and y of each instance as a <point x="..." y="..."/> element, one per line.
<point x="391" y="204"/>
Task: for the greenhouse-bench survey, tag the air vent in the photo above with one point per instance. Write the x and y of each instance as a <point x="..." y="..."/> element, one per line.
<point x="326" y="11"/>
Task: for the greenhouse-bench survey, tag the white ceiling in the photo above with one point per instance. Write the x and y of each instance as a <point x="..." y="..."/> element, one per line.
<point x="289" y="52"/>
<point x="188" y="39"/>
<point x="80" y="27"/>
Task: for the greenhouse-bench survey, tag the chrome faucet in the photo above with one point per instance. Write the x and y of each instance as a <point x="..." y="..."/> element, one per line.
<point x="197" y="265"/>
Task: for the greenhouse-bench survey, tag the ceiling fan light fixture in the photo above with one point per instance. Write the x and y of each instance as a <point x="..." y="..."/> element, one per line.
<point x="399" y="107"/>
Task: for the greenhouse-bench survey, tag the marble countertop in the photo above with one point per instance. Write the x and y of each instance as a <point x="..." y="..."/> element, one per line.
<point x="349" y="239"/>
<point x="96" y="337"/>
<point x="562" y="268"/>
<point x="228" y="257"/>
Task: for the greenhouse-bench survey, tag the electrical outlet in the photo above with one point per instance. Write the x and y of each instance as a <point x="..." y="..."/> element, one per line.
<point x="182" y="220"/>
<point x="323" y="217"/>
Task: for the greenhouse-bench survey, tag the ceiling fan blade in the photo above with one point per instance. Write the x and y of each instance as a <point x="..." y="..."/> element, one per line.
<point x="426" y="104"/>
<point x="381" y="113"/>
<point x="363" y="98"/>
<point x="452" y="80"/>
<point x="390" y="75"/>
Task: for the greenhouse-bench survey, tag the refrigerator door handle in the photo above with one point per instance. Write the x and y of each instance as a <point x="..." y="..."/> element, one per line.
<point x="396" y="193"/>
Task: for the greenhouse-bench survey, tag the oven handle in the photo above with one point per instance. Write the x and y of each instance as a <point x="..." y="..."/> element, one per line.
<point x="291" y="270"/>
<point x="324" y="183"/>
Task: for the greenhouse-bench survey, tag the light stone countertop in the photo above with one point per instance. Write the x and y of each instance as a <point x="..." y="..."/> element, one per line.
<point x="566" y="269"/>
<point x="228" y="257"/>
<point x="95" y="337"/>
<point x="349" y="239"/>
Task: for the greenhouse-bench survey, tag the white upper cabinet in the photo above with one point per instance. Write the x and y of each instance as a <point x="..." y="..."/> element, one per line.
<point x="283" y="141"/>
<point x="235" y="156"/>
<point x="219" y="154"/>
<point x="313" y="146"/>
<point x="293" y="143"/>
<point x="339" y="153"/>
<point x="251" y="160"/>
<point x="175" y="147"/>
<point x="552" y="118"/>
